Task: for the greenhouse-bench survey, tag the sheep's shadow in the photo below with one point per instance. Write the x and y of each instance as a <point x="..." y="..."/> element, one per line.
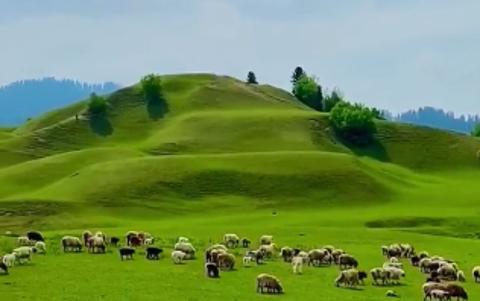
<point x="353" y="288"/>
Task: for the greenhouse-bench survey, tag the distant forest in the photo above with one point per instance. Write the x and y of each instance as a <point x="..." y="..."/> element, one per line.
<point x="438" y="118"/>
<point x="28" y="98"/>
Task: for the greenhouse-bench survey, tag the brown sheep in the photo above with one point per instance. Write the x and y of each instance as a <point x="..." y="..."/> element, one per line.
<point x="226" y="261"/>
<point x="269" y="283"/>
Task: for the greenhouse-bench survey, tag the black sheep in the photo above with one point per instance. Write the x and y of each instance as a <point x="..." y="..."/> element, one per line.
<point x="153" y="253"/>
<point x="35" y="236"/>
<point x="126" y="253"/>
<point x="212" y="270"/>
<point x="246" y="243"/>
<point x="3" y="267"/>
<point x="114" y="241"/>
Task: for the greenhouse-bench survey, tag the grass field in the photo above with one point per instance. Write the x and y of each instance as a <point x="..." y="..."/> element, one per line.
<point x="220" y="156"/>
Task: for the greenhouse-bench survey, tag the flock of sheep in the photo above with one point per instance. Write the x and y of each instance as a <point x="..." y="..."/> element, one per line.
<point x="442" y="281"/>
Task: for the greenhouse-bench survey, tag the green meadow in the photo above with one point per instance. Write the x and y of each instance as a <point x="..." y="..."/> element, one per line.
<point x="220" y="156"/>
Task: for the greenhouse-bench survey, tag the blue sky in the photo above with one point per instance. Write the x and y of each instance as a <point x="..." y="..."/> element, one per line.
<point x="392" y="54"/>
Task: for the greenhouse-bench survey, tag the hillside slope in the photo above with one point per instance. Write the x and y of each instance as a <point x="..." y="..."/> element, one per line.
<point x="215" y="141"/>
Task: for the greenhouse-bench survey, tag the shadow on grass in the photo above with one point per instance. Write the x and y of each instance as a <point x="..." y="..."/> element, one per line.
<point x="373" y="148"/>
<point x="100" y="125"/>
<point x="157" y="107"/>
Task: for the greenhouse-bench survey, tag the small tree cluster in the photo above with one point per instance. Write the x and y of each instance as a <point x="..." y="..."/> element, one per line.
<point x="306" y="89"/>
<point x="331" y="100"/>
<point x="97" y="105"/>
<point x="353" y="122"/>
<point x="252" y="78"/>
<point x="152" y="87"/>
<point x="476" y="131"/>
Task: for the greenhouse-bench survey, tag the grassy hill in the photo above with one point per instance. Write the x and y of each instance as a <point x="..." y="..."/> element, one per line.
<point x="220" y="156"/>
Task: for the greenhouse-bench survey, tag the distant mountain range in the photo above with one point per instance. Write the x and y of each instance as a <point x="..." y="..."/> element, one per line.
<point x="28" y="98"/>
<point x="438" y="118"/>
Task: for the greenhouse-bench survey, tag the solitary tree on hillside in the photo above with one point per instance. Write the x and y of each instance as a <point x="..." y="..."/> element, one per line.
<point x="97" y="105"/>
<point x="297" y="74"/>
<point x="152" y="87"/>
<point x="308" y="91"/>
<point x="251" y="78"/>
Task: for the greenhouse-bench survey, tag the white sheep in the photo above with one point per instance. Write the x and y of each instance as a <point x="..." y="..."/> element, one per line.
<point x="394" y="274"/>
<point x="231" y="240"/>
<point x="266" y="239"/>
<point x="297" y="264"/>
<point x="461" y="276"/>
<point x="149" y="241"/>
<point x="41" y="247"/>
<point x="178" y="256"/>
<point x="9" y="259"/>
<point x="23" y="241"/>
<point x="476" y="273"/>
<point x="186" y="248"/>
<point x="23" y="254"/>
<point x="247" y="261"/>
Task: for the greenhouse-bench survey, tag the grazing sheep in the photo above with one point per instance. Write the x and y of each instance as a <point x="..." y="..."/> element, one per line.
<point x="347" y="261"/>
<point x="149" y="241"/>
<point x="350" y="277"/>
<point x="126" y="253"/>
<point x="384" y="250"/>
<point x="153" y="253"/>
<point x="246" y="243"/>
<point x="23" y="254"/>
<point x="24" y="241"/>
<point x="394" y="250"/>
<point x="186" y="248"/>
<point x="461" y="276"/>
<point x="427" y="265"/>
<point x="3" y="268"/>
<point x="297" y="265"/>
<point x="101" y="235"/>
<point x="71" y="244"/>
<point x="455" y="290"/>
<point x="247" y="261"/>
<point x="231" y="240"/>
<point x="336" y="255"/>
<point x="415" y="260"/>
<point x="439" y="294"/>
<point x="41" y="247"/>
<point x="266" y="239"/>
<point x="447" y="272"/>
<point x="211" y="254"/>
<point x="183" y="239"/>
<point x="318" y="256"/>
<point x="269" y="283"/>
<point x="407" y="250"/>
<point x="268" y="250"/>
<point x="96" y="244"/>
<point x="256" y="255"/>
<point x="476" y="273"/>
<point x="212" y="270"/>
<point x="86" y="236"/>
<point x="226" y="261"/>
<point x="286" y="253"/>
<point x="35" y="236"/>
<point x="394" y="260"/>
<point x="9" y="260"/>
<point x="133" y="239"/>
<point x="114" y="241"/>
<point x="178" y="256"/>
<point x="379" y="274"/>
<point x="394" y="274"/>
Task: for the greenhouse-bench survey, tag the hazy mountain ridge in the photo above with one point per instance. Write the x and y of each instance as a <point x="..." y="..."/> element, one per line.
<point x="24" y="99"/>
<point x="438" y="118"/>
